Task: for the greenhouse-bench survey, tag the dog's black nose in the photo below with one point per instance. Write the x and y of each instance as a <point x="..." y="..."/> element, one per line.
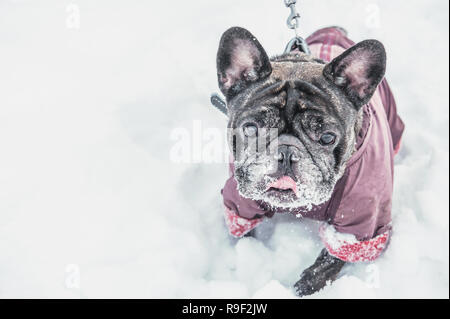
<point x="287" y="155"/>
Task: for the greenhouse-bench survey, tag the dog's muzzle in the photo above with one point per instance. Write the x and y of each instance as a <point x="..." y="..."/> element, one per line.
<point x="287" y="152"/>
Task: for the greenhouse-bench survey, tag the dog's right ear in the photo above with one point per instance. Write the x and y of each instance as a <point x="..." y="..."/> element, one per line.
<point x="241" y="60"/>
<point x="358" y="71"/>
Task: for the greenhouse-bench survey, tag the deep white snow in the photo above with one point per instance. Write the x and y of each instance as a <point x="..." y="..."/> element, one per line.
<point x="91" y="203"/>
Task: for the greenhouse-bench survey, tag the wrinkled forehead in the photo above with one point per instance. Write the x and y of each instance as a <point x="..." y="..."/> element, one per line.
<point x="304" y="77"/>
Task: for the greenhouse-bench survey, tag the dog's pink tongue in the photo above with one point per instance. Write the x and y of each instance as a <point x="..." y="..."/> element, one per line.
<point x="284" y="182"/>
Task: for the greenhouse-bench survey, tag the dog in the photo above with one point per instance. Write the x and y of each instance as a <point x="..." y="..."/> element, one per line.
<point x="327" y="131"/>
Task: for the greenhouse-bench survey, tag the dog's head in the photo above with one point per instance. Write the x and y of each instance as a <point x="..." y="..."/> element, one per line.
<point x="293" y="118"/>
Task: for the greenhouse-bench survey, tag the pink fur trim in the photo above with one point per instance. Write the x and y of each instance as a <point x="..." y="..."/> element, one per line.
<point x="239" y="226"/>
<point x="347" y="248"/>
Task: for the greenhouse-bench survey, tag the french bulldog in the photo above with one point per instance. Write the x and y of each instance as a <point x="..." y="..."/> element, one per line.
<point x="315" y="110"/>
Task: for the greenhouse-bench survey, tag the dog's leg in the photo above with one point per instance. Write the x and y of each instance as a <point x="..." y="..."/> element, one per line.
<point x="325" y="269"/>
<point x="251" y="233"/>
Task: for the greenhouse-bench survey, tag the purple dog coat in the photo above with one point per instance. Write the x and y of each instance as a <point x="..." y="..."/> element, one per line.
<point x="357" y="216"/>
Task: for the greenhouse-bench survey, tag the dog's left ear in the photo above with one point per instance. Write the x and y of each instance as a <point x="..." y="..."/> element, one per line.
<point x="358" y="71"/>
<point x="241" y="60"/>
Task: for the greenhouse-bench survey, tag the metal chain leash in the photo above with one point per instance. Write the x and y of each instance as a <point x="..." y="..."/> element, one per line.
<point x="293" y="22"/>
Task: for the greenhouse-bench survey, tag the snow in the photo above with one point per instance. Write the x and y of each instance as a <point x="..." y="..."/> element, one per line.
<point x="91" y="204"/>
<point x="335" y="239"/>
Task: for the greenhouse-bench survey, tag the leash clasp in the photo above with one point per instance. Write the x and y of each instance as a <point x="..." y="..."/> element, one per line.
<point x="297" y="43"/>
<point x="293" y="21"/>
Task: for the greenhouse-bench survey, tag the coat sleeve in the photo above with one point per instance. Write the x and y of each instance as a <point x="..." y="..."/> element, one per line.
<point x="241" y="214"/>
<point x="347" y="248"/>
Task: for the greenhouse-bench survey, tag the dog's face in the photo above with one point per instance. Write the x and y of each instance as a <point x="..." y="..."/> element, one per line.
<point x="292" y="119"/>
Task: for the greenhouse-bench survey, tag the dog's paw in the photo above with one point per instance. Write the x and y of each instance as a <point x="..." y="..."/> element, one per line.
<point x="324" y="270"/>
<point x="309" y="283"/>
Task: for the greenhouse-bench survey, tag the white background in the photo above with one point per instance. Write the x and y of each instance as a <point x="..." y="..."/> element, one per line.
<point x="90" y="203"/>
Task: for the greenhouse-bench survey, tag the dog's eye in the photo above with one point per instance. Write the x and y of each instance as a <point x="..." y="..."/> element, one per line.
<point x="327" y="139"/>
<point x="250" y="130"/>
